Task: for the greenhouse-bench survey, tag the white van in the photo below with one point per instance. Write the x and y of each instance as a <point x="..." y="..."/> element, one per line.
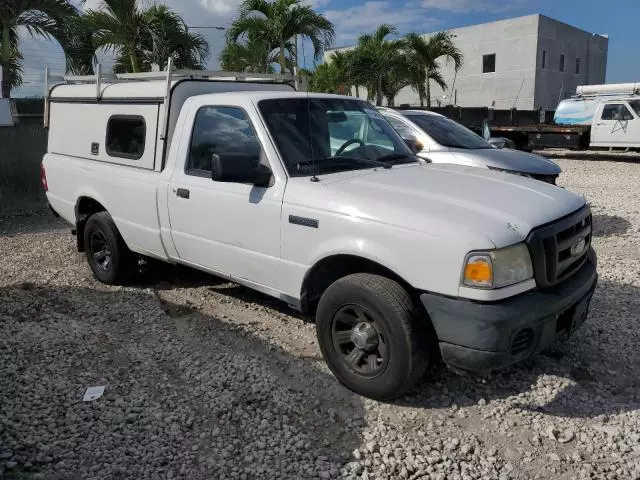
<point x="397" y="259"/>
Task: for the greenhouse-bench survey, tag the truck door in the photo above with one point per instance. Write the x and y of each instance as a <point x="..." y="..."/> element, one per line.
<point x="229" y="228"/>
<point x="614" y="126"/>
<point x="634" y="137"/>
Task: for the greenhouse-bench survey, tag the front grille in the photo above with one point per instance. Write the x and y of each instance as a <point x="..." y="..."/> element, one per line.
<point x="522" y="341"/>
<point x="551" y="248"/>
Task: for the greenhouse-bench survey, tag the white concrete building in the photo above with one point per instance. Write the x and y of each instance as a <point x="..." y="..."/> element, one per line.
<point x="526" y="62"/>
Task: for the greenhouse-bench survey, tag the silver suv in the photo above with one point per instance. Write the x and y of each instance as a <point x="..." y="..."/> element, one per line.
<point x="438" y="139"/>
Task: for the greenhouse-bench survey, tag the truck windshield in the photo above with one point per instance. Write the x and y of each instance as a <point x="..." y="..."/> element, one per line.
<point x="449" y="133"/>
<point x="329" y="135"/>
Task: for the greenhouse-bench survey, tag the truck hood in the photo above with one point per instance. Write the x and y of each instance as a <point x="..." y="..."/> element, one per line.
<point x="440" y="200"/>
<point x="508" y="159"/>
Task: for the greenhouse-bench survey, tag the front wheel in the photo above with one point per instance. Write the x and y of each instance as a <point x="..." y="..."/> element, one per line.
<point x="369" y="336"/>
<point x="108" y="256"/>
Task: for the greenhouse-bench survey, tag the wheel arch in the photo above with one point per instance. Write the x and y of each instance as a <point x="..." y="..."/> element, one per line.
<point x="86" y="205"/>
<point x="333" y="267"/>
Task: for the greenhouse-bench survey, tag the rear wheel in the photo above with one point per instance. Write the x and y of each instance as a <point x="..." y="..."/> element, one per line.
<point x="369" y="336"/>
<point x="108" y="256"/>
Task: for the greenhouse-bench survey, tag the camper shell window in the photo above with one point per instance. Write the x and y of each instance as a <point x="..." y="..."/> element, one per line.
<point x="126" y="136"/>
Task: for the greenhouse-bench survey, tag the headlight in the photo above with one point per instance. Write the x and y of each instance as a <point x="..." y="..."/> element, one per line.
<point x="498" y="268"/>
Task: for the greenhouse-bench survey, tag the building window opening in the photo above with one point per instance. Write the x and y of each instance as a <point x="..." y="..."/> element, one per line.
<point x="489" y="63"/>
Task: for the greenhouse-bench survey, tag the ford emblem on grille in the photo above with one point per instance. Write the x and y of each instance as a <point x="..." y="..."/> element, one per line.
<point x="578" y="246"/>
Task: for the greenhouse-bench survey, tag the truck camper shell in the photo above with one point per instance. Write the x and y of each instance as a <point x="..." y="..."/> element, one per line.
<point x="85" y="107"/>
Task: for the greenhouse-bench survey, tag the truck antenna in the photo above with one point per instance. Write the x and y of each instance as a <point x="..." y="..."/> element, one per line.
<point x="314" y="178"/>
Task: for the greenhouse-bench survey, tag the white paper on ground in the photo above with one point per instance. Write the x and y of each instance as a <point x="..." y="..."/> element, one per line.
<point x="93" y="393"/>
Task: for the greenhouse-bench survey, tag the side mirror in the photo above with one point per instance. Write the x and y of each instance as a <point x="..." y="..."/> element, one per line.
<point x="496" y="142"/>
<point x="502" y="142"/>
<point x="414" y="144"/>
<point x="486" y="130"/>
<point x="239" y="168"/>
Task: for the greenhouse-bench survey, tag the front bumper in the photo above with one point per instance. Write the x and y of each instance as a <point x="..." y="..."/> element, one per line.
<point x="482" y="337"/>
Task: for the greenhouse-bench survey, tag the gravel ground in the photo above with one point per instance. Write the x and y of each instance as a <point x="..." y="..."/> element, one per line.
<point x="206" y="379"/>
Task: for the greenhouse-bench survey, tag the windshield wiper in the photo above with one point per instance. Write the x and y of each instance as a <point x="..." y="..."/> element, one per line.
<point x="394" y="157"/>
<point x="374" y="163"/>
<point x="340" y="159"/>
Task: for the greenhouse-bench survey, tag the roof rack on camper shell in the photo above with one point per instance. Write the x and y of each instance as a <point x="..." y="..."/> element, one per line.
<point x="164" y="80"/>
<point x="617" y="89"/>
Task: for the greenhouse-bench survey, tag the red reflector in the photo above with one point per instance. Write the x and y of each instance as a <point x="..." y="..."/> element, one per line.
<point x="43" y="178"/>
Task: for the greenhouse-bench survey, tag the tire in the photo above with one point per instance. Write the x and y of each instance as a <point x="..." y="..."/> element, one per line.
<point x="354" y="310"/>
<point x="107" y="254"/>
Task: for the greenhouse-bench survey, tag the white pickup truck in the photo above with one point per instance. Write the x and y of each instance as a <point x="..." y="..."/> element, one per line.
<point x="398" y="260"/>
<point x="612" y="121"/>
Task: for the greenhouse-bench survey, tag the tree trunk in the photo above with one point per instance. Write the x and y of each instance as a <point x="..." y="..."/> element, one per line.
<point x="357" y="91"/>
<point x="6" y="87"/>
<point x="5" y="53"/>
<point x="283" y="61"/>
<point x="135" y="68"/>
<point x="428" y="93"/>
<point x="379" y="93"/>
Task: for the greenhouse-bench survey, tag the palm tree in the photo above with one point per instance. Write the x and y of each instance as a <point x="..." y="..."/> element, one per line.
<point x="396" y="78"/>
<point x="374" y="57"/>
<point x="38" y="17"/>
<point x="253" y="55"/>
<point x="423" y="55"/>
<point x="76" y="42"/>
<point x="119" y="26"/>
<point x="324" y="79"/>
<point x="342" y="65"/>
<point x="143" y="37"/>
<point x="169" y="37"/>
<point x="417" y="77"/>
<point x="278" y="23"/>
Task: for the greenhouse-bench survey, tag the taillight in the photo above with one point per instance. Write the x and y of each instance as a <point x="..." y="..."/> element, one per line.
<point x="43" y="178"/>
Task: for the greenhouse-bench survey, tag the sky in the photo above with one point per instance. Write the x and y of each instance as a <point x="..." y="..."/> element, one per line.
<point x="355" y="17"/>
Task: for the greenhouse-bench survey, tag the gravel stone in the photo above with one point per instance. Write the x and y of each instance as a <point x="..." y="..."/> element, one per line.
<point x="205" y="379"/>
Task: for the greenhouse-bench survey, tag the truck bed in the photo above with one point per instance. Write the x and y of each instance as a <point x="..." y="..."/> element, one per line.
<point x="129" y="194"/>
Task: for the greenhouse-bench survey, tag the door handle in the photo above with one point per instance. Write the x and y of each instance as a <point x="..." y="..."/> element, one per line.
<point x="182" y="193"/>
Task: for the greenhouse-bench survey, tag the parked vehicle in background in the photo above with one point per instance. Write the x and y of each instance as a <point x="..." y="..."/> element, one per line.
<point x="598" y="116"/>
<point x="441" y="140"/>
<point x="398" y="260"/>
<point x="581" y="108"/>
<point x="610" y="114"/>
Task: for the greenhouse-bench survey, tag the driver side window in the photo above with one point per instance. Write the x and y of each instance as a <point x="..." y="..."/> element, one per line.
<point x="223" y="131"/>
<point x="616" y="111"/>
